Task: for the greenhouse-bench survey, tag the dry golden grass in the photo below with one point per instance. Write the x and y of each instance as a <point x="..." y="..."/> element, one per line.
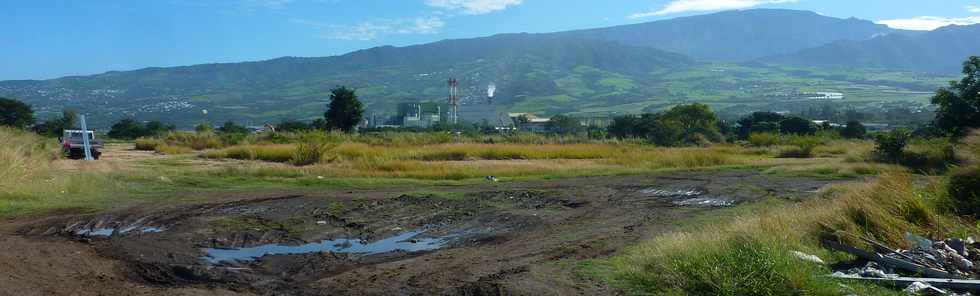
<point x="32" y="175"/>
<point x="758" y="242"/>
<point x="466" y="161"/>
<point x="23" y="157"/>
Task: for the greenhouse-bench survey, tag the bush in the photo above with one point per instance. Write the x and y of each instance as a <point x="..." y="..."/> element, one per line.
<point x="763" y="139"/>
<point x="308" y="153"/>
<point x="964" y="189"/>
<point x="171" y="149"/>
<point x="797" y="126"/>
<point x="196" y="141"/>
<point x="890" y="146"/>
<point x="148" y="144"/>
<point x="203" y="127"/>
<point x="853" y="130"/>
<point x="930" y="155"/>
<point x="15" y="113"/>
<point x="273" y="153"/>
<point x="230" y="127"/>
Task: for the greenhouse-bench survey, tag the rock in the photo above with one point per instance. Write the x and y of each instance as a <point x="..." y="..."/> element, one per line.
<point x="957" y="245"/>
<point x="918" y="242"/>
<point x="920" y="288"/>
<point x="872" y="273"/>
<point x="807" y="257"/>
<point x="964" y="264"/>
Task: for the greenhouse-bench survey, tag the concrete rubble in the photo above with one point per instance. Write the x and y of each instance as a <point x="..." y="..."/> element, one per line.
<point x="953" y="260"/>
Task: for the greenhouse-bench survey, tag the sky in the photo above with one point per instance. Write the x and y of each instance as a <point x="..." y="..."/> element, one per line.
<point x="43" y="39"/>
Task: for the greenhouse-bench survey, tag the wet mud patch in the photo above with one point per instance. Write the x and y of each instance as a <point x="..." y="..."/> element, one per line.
<point x="480" y="240"/>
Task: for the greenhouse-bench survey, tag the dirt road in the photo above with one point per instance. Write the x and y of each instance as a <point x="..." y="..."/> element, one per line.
<point x="495" y="239"/>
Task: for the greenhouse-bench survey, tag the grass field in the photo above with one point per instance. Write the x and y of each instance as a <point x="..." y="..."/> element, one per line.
<point x="191" y="161"/>
<point x="739" y="251"/>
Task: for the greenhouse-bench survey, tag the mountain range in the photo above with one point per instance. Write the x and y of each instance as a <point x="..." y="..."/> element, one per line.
<point x="940" y="51"/>
<point x="719" y="57"/>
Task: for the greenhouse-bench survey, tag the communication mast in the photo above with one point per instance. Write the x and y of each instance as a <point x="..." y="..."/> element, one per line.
<point x="454" y="100"/>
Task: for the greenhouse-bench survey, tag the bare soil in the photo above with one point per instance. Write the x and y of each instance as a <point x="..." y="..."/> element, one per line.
<point x="521" y="238"/>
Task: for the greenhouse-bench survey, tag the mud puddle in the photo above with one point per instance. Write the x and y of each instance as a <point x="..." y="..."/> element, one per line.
<point x="692" y="197"/>
<point x="107" y="232"/>
<point x="504" y="238"/>
<point x="407" y="242"/>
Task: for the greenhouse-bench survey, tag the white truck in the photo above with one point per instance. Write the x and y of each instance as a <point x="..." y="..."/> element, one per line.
<point x="73" y="145"/>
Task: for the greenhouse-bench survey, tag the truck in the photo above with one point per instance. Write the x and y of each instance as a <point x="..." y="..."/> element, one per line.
<point x="73" y="145"/>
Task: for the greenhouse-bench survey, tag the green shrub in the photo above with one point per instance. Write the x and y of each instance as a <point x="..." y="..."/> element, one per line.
<point x="964" y="190"/>
<point x="171" y="149"/>
<point x="802" y="146"/>
<point x="930" y="155"/>
<point x="853" y="130"/>
<point x="308" y="153"/>
<point x="763" y="139"/>
<point x="148" y="144"/>
<point x="890" y="146"/>
<point x="743" y="265"/>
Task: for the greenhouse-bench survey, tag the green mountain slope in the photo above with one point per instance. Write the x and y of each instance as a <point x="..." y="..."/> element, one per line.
<point x="524" y="66"/>
<point x="940" y="51"/>
<point x="741" y="35"/>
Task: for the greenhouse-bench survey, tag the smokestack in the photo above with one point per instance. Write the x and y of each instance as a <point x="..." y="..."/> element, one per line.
<point x="454" y="99"/>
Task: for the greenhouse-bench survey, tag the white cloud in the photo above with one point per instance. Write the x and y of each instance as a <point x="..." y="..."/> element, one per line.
<point x="370" y="30"/>
<point x="929" y="23"/>
<point x="973" y="8"/>
<point x="474" y="6"/>
<point x="679" y="6"/>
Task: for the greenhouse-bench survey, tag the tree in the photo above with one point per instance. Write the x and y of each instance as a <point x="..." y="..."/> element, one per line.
<point x="959" y="104"/>
<point x="890" y="146"/>
<point x="797" y="126"/>
<point x="696" y="122"/>
<point x="156" y="127"/>
<point x="665" y="132"/>
<point x="231" y="128"/>
<point x="15" y="113"/>
<point x="203" y="127"/>
<point x="55" y="126"/>
<point x="126" y="129"/>
<point x="759" y="122"/>
<point x="345" y="110"/>
<point x="319" y="124"/>
<point x="624" y="126"/>
<point x="682" y="124"/>
<point x="853" y="130"/>
<point x="564" y="124"/>
<point x="292" y="126"/>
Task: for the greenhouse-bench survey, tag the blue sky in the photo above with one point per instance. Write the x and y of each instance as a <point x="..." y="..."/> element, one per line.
<point x="44" y="39"/>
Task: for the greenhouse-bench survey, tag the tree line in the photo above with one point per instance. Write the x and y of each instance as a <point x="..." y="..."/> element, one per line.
<point x="344" y="112"/>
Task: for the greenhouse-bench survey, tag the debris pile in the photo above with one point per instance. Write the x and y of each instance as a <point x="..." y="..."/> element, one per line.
<point x="947" y="265"/>
<point x="951" y="255"/>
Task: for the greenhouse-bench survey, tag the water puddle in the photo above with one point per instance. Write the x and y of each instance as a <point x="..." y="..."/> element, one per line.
<point x="705" y="202"/>
<point x="408" y="242"/>
<point x="688" y="197"/>
<point x="107" y="231"/>
<point x="672" y="193"/>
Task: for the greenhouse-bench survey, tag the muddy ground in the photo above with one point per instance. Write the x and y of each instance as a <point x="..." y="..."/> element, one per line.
<point x="519" y="238"/>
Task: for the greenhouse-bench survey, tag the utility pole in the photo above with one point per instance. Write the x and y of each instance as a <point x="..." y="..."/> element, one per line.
<point x="86" y="145"/>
